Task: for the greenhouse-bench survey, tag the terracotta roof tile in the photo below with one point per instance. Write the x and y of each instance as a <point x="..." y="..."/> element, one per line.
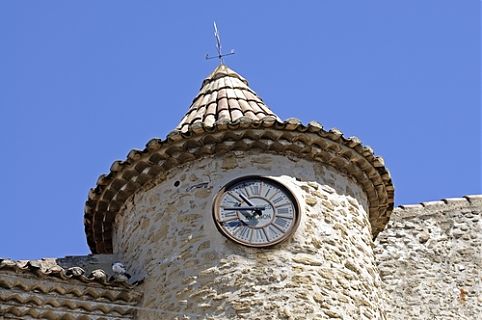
<point x="239" y="94"/>
<point x="224" y="96"/>
<point x="251" y="115"/>
<point x="222" y="104"/>
<point x="223" y="115"/>
<point x="236" y="114"/>
<point x="222" y="93"/>
<point x="211" y="110"/>
<point x="210" y="120"/>
<point x="233" y="104"/>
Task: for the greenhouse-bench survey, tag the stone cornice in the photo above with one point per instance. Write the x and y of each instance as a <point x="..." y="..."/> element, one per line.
<point x="435" y="207"/>
<point x="290" y="137"/>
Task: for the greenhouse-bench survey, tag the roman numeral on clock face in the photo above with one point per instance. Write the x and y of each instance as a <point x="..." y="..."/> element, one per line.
<point x="282" y="223"/>
<point x="272" y="233"/>
<point x="285" y="212"/>
<point x="278" y="198"/>
<point x="244" y="233"/>
<point x="255" y="189"/>
<point x="245" y="191"/>
<point x="227" y="215"/>
<point x="259" y="236"/>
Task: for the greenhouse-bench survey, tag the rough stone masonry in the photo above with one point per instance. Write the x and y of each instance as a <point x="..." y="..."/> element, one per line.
<point x="326" y="271"/>
<point x="430" y="260"/>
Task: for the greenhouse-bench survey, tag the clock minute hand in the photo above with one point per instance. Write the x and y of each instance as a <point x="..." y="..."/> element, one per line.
<point x="250" y="208"/>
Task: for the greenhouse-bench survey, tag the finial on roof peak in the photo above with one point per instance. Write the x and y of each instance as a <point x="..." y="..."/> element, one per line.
<point x="219" y="48"/>
<point x="223" y="70"/>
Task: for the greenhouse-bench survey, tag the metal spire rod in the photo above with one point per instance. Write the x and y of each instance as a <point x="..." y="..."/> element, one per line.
<point x="218" y="47"/>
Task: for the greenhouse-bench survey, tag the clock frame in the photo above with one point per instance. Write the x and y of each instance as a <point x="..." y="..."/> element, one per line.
<point x="268" y="211"/>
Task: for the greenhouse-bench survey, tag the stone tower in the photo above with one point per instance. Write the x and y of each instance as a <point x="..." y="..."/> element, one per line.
<point x="187" y="214"/>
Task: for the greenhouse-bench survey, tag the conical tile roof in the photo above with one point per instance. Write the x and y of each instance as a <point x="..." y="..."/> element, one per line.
<point x="225" y="96"/>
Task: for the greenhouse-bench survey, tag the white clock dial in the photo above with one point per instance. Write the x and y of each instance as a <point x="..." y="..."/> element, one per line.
<point x="256" y="211"/>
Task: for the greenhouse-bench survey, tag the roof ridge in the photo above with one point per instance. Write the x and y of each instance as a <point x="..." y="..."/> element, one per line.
<point x="43" y="267"/>
<point x="223" y="71"/>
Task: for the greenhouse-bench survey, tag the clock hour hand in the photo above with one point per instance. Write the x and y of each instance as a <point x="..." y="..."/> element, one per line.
<point x="245" y="199"/>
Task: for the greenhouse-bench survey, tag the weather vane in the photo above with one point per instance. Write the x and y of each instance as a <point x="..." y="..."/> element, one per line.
<point x="218" y="47"/>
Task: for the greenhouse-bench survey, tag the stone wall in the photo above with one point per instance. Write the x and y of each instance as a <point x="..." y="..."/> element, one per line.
<point x="166" y="235"/>
<point x="430" y="260"/>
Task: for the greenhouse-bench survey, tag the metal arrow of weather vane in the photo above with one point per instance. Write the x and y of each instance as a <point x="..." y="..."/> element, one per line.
<point x="218" y="47"/>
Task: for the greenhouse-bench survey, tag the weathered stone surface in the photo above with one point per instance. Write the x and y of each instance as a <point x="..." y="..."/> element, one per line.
<point x="430" y="261"/>
<point x="326" y="270"/>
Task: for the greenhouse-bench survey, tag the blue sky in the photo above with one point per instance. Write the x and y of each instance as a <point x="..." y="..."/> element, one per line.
<point x="83" y="82"/>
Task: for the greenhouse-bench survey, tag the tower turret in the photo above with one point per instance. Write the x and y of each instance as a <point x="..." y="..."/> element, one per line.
<point x="239" y="214"/>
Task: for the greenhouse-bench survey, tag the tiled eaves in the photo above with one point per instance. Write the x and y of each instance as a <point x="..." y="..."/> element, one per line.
<point x="25" y="311"/>
<point x="290" y="137"/>
<point x="32" y="289"/>
<point x="36" y="305"/>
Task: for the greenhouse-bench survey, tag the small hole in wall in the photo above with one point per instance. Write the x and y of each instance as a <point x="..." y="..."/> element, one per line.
<point x="177" y="183"/>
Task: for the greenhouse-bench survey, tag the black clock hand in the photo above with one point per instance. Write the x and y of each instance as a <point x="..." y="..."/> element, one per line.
<point x="250" y="208"/>
<point x="245" y="199"/>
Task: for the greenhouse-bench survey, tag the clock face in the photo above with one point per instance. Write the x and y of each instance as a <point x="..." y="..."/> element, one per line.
<point x="256" y="211"/>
